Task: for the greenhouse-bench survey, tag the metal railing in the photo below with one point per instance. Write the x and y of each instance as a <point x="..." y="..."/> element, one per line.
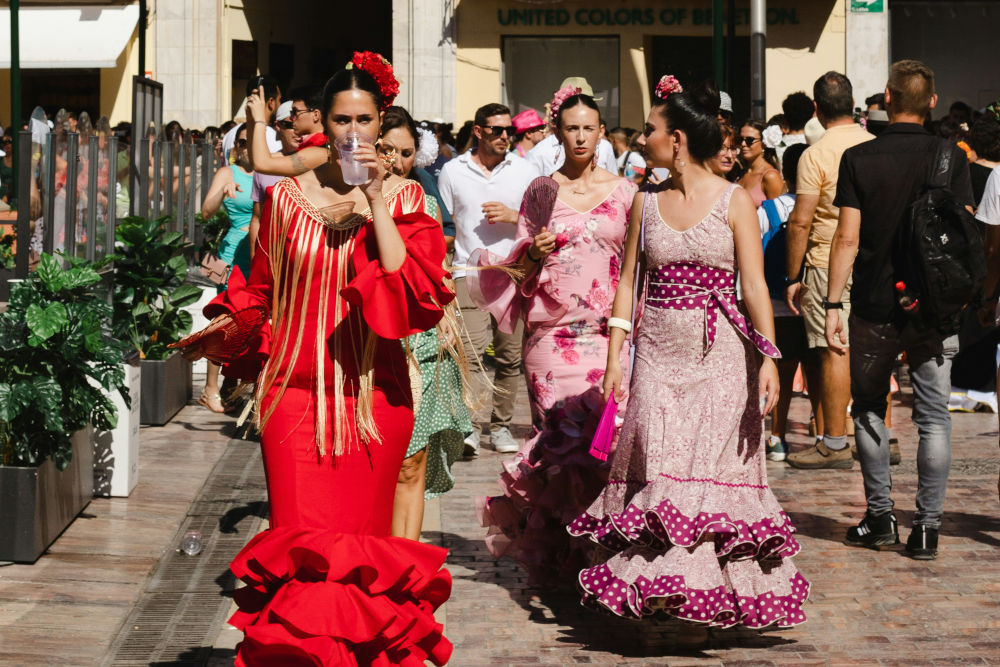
<point x="73" y="190"/>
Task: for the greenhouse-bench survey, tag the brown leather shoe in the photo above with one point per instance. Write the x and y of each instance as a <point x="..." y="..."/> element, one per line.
<point x="821" y="456"/>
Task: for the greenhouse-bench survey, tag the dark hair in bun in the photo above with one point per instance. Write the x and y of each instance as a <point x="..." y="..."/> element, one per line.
<point x="575" y="101"/>
<point x="695" y="113"/>
<point x="350" y="79"/>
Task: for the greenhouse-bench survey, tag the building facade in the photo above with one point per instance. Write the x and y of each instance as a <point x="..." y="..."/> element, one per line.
<point x="452" y="56"/>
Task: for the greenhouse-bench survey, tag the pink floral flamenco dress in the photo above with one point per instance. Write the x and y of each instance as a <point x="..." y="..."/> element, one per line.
<point x="565" y="305"/>
<point x="687" y="514"/>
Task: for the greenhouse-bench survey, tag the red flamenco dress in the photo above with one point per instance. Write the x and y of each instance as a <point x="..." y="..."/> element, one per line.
<point x="326" y="584"/>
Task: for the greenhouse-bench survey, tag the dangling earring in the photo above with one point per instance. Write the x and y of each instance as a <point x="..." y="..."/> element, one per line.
<point x="593" y="162"/>
<point x="681" y="164"/>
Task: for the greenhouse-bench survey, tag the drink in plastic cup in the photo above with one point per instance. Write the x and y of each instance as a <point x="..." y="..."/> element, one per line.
<point x="354" y="173"/>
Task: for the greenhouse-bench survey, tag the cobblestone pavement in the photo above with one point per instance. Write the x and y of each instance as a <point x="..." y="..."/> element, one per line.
<point x="865" y="608"/>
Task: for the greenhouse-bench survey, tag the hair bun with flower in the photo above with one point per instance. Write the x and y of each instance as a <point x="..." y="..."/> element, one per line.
<point x="559" y="97"/>
<point x="381" y="70"/>
<point x="772" y="136"/>
<point x="667" y="86"/>
<point x="427" y="148"/>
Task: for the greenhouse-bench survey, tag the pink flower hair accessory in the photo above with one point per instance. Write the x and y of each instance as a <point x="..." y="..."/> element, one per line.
<point x="561" y="96"/>
<point x="667" y="86"/>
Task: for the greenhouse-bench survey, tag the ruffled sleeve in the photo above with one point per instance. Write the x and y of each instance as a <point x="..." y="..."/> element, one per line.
<point x="535" y="300"/>
<point x="242" y="293"/>
<point x="411" y="299"/>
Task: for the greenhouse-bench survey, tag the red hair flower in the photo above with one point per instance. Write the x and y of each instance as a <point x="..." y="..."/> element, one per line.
<point x="381" y="70"/>
<point x="667" y="86"/>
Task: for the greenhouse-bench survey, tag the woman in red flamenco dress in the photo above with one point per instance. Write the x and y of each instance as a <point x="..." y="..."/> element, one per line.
<point x="326" y="584"/>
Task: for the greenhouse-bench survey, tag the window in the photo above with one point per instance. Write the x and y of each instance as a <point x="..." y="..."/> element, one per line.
<point x="533" y="68"/>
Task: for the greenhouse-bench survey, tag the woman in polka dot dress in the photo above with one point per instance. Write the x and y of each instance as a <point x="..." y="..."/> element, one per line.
<point x="691" y="526"/>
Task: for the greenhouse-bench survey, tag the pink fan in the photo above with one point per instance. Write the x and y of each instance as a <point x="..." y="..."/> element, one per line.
<point x="227" y="337"/>
<point x="604" y="434"/>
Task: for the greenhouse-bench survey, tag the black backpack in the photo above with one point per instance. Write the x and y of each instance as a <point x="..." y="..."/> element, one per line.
<point x="943" y="256"/>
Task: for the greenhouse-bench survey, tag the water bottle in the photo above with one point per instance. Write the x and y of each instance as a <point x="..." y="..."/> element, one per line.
<point x="191" y="543"/>
<point x="907" y="300"/>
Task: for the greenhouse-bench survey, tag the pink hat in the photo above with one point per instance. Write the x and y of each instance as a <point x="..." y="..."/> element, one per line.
<point x="527" y="120"/>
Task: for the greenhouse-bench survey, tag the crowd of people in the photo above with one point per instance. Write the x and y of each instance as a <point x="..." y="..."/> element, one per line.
<point x="656" y="293"/>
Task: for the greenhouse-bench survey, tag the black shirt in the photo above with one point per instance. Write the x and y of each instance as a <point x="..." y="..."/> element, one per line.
<point x="881" y="178"/>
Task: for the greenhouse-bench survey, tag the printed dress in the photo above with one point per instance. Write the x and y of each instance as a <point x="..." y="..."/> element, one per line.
<point x="326" y="584"/>
<point x="687" y="513"/>
<point x="565" y="305"/>
<point x="441" y="421"/>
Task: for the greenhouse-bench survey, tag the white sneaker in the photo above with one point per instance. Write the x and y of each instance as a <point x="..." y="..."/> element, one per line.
<point x="503" y="442"/>
<point x="471" y="444"/>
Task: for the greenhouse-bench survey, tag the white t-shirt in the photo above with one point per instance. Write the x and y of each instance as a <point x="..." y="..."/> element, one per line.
<point x="548" y="156"/>
<point x="465" y="187"/>
<point x="631" y="160"/>
<point x="989" y="206"/>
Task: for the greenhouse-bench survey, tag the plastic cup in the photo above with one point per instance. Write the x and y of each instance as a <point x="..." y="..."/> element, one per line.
<point x="191" y="543"/>
<point x="354" y="173"/>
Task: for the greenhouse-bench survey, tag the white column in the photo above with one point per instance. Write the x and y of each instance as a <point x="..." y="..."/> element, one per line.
<point x="423" y="56"/>
<point x="867" y="50"/>
<point x="187" y="61"/>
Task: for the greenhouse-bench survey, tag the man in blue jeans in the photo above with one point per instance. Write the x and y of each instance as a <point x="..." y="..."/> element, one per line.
<point x="878" y="180"/>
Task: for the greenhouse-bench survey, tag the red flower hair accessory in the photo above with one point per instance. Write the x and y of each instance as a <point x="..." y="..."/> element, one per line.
<point x="381" y="70"/>
<point x="667" y="86"/>
<point x="561" y="96"/>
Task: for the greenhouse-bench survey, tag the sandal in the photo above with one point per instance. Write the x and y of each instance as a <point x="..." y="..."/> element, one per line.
<point x="211" y="401"/>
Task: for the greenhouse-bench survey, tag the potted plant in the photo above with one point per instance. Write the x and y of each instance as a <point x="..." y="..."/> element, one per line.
<point x="150" y="294"/>
<point x="56" y="367"/>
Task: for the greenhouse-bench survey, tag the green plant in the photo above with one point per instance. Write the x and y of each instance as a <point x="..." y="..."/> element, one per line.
<point x="7" y="259"/>
<point x="213" y="230"/>
<point x="150" y="269"/>
<point x="56" y="360"/>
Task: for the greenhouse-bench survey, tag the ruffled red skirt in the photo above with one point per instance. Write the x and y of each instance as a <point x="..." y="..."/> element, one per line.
<point x="326" y="585"/>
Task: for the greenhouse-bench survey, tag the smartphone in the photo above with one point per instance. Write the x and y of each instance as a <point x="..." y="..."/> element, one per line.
<point x="260" y="82"/>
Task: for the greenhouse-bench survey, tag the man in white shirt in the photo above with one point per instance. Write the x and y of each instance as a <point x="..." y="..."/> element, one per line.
<point x="483" y="188"/>
<point x="548" y="154"/>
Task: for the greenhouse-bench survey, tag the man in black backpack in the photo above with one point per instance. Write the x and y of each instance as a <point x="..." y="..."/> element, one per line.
<point x="878" y="182"/>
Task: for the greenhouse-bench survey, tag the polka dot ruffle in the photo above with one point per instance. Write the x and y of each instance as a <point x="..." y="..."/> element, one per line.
<point x="669" y="593"/>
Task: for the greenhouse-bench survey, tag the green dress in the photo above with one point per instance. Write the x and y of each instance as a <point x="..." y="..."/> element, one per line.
<point x="442" y="422"/>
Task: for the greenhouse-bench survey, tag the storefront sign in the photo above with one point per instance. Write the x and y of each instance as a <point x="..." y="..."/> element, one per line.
<point x="867" y="6"/>
<point x="637" y="16"/>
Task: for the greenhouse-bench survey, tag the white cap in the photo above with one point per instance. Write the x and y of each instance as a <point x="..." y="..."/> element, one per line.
<point x="814" y="130"/>
<point x="725" y="102"/>
<point x="284" y="111"/>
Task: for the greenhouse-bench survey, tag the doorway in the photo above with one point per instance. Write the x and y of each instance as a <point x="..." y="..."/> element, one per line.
<point x="690" y="60"/>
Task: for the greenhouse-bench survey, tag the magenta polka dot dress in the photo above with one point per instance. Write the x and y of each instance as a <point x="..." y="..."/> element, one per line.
<point x="693" y="527"/>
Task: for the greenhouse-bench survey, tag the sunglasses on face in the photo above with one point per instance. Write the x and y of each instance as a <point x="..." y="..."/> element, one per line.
<point x="285" y="124"/>
<point x="499" y="130"/>
<point x="295" y="112"/>
<point x="749" y="141"/>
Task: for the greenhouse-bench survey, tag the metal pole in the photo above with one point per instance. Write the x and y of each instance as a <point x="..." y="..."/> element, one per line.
<point x="143" y="12"/>
<point x="730" y="46"/>
<point x="22" y="163"/>
<point x="192" y="189"/>
<point x="156" y="191"/>
<point x="111" y="221"/>
<point x="49" y="203"/>
<point x="15" y="90"/>
<point x="181" y="187"/>
<point x="72" y="165"/>
<point x="717" y="51"/>
<point x="758" y="43"/>
<point x="90" y="245"/>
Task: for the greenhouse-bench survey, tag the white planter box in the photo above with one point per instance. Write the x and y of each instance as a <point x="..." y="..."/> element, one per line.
<point x="199" y="322"/>
<point x="116" y="452"/>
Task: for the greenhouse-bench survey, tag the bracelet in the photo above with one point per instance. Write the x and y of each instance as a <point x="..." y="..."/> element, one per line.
<point x="620" y="323"/>
<point x="260" y="121"/>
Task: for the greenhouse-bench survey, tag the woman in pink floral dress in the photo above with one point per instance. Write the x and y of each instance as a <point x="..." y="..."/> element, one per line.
<point x="571" y="234"/>
<point x="690" y="522"/>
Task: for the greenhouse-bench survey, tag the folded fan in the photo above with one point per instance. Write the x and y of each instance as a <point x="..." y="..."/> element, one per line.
<point x="227" y="337"/>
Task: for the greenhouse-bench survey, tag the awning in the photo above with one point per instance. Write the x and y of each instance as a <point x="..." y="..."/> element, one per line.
<point x="69" y="37"/>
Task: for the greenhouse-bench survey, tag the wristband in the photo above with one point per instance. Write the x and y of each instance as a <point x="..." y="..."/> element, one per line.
<point x="791" y="281"/>
<point x="528" y="253"/>
<point x="832" y="305"/>
<point x="620" y="323"/>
